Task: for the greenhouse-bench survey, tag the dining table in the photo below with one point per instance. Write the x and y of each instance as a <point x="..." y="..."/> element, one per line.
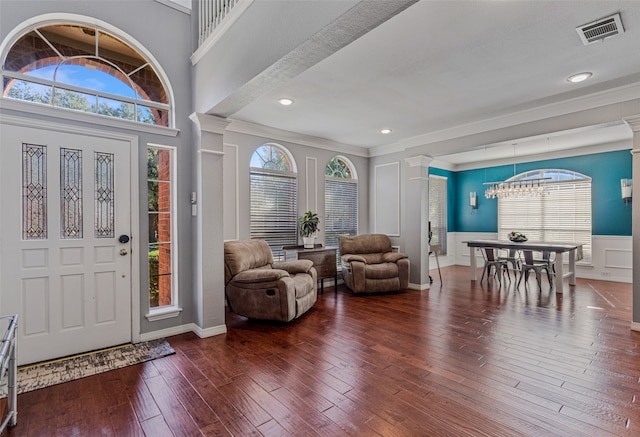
<point x="574" y="249"/>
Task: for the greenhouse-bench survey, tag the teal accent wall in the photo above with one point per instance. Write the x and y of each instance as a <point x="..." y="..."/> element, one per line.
<point x="610" y="216"/>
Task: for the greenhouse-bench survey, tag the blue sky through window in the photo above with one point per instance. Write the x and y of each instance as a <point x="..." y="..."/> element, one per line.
<point x="87" y="78"/>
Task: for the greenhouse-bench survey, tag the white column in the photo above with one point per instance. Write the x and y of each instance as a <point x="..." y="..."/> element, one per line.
<point x="634" y="123"/>
<point x="209" y="260"/>
<point x="416" y="221"/>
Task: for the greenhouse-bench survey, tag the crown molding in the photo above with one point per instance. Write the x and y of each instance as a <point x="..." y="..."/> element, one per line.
<point x="209" y="123"/>
<point x="567" y="153"/>
<point x="183" y="6"/>
<point x="419" y="161"/>
<point x="595" y="100"/>
<point x="633" y="122"/>
<point x="248" y="128"/>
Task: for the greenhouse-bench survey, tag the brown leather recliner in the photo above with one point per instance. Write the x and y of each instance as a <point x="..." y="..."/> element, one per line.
<point x="370" y="266"/>
<point x="259" y="288"/>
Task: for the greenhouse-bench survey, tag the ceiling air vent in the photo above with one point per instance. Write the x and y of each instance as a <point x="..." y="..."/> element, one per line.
<point x="600" y="29"/>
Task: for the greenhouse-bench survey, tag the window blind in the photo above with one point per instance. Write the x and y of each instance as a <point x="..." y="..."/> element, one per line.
<point x="562" y="215"/>
<point x="274" y="209"/>
<point x="341" y="210"/>
<point x="438" y="211"/>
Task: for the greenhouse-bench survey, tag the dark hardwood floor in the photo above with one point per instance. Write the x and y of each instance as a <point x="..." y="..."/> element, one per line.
<point x="457" y="360"/>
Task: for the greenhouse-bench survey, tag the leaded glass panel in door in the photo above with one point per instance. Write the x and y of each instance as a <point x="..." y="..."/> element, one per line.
<point x="104" y="195"/>
<point x="70" y="193"/>
<point x="34" y="192"/>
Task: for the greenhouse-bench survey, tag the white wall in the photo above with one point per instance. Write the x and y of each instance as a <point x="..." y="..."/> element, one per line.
<point x="310" y="162"/>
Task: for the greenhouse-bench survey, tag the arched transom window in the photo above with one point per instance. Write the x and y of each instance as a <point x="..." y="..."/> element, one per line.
<point x="274" y="188"/>
<point x="562" y="213"/>
<point x="84" y="68"/>
<point x="340" y="201"/>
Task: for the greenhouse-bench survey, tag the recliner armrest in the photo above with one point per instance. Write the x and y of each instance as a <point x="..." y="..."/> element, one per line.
<point x="349" y="257"/>
<point x="392" y="257"/>
<point x="293" y="267"/>
<point x="259" y="275"/>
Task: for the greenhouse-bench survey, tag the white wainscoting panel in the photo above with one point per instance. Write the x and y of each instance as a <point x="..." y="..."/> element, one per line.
<point x="387" y="199"/>
<point x="312" y="184"/>
<point x="230" y="211"/>
<point x="611" y="255"/>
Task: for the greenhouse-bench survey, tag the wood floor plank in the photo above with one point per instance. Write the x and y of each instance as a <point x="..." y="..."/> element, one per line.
<point x="459" y="359"/>
<point x="174" y="413"/>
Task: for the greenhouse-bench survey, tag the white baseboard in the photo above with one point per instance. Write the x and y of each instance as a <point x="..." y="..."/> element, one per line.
<point x="209" y="332"/>
<point x="189" y="327"/>
<point x="419" y="287"/>
<point x="635" y="326"/>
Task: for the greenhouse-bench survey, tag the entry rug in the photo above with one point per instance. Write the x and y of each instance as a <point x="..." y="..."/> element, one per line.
<point x="41" y="375"/>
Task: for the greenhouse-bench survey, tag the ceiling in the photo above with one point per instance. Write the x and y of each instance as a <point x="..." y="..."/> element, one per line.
<point x="460" y="66"/>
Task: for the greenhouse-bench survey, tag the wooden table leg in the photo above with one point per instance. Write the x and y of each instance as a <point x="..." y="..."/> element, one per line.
<point x="559" y="273"/>
<point x="473" y="265"/>
<point x="572" y="267"/>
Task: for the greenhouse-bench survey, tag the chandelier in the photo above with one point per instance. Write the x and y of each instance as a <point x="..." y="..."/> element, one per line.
<point x="521" y="188"/>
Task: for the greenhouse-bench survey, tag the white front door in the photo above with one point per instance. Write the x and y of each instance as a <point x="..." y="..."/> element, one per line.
<point x="65" y="216"/>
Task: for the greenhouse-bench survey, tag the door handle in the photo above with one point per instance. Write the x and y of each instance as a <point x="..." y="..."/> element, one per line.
<point x="123" y="252"/>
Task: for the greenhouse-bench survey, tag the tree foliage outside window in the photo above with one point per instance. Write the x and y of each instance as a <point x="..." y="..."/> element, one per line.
<point x="85" y="69"/>
<point x="338" y="168"/>
<point x="270" y="157"/>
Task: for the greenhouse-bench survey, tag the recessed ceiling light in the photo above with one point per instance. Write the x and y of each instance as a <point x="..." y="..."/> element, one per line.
<point x="285" y="102"/>
<point x="385" y="131"/>
<point x="579" y="77"/>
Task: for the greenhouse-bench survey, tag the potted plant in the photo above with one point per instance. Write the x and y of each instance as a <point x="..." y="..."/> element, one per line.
<point x="308" y="227"/>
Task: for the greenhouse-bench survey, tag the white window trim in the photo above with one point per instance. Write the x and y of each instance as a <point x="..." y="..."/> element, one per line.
<point x="579" y="178"/>
<point x="85" y="117"/>
<point x="161" y="313"/>
<point x="168" y="311"/>
<point x="64" y="17"/>
<point x="352" y="180"/>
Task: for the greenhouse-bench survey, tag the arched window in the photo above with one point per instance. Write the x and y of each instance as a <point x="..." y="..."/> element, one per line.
<point x="340" y="201"/>
<point x="274" y="188"/>
<point x="84" y="68"/>
<point x="561" y="214"/>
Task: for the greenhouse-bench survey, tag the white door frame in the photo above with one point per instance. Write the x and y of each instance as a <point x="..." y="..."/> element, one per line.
<point x="135" y="196"/>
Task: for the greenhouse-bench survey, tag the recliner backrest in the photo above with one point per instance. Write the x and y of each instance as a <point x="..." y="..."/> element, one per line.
<point x="241" y="255"/>
<point x="369" y="243"/>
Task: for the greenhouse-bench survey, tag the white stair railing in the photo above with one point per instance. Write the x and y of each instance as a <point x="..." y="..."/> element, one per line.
<point x="211" y="14"/>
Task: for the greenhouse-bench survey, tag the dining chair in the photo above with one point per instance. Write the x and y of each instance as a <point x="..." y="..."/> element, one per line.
<point x="513" y="259"/>
<point x="548" y="258"/>
<point x="492" y="262"/>
<point x="529" y="264"/>
<point x="433" y="250"/>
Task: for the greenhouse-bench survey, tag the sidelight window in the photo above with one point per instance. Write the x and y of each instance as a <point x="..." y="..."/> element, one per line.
<point x="161" y="251"/>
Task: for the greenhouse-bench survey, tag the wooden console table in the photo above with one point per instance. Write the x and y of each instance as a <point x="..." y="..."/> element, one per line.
<point x="323" y="258"/>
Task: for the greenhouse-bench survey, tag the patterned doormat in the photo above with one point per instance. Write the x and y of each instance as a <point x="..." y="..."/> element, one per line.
<point x="45" y="374"/>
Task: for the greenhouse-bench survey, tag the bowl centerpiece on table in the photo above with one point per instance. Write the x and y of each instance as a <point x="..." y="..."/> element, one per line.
<point x="517" y="237"/>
